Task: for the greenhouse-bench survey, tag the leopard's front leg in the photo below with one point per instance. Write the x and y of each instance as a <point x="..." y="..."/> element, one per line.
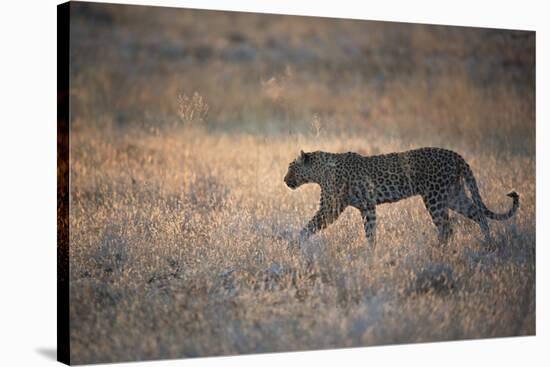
<point x="362" y="196"/>
<point x="369" y="222"/>
<point x="328" y="212"/>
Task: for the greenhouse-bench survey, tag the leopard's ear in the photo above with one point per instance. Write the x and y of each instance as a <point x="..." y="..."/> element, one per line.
<point x="301" y="157"/>
<point x="304" y="158"/>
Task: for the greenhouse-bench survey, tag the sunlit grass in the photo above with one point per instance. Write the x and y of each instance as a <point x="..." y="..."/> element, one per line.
<point x="183" y="235"/>
<point x="181" y="246"/>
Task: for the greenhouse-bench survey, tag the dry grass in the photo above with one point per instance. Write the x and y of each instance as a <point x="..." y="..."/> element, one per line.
<point x="181" y="225"/>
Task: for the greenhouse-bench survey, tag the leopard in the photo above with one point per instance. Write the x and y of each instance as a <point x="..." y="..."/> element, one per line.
<point x="439" y="176"/>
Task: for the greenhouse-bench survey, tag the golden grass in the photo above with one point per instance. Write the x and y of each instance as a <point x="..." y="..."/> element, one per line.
<point x="180" y="247"/>
<point x="180" y="227"/>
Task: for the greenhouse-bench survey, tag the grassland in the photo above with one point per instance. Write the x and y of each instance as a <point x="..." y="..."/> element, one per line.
<point x="181" y="224"/>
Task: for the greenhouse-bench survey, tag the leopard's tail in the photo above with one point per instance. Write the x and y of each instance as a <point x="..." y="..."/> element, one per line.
<point x="472" y="186"/>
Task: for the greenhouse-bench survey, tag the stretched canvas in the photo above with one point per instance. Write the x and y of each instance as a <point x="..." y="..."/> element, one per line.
<point x="233" y="183"/>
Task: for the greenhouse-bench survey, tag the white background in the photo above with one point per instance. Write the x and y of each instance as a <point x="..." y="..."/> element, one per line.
<point x="28" y="182"/>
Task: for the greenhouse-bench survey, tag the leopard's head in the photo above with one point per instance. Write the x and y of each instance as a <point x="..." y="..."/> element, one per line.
<point x="300" y="171"/>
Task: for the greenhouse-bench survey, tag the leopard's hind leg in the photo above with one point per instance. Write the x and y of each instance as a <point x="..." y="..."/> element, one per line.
<point x="437" y="205"/>
<point x="462" y="204"/>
